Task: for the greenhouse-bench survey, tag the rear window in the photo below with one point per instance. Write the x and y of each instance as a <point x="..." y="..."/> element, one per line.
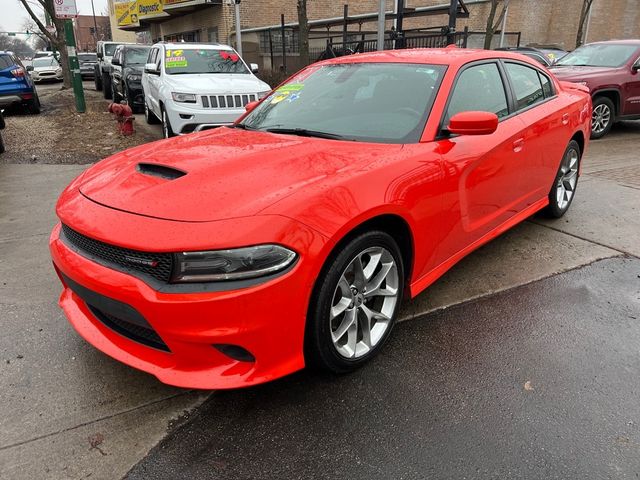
<point x="6" y="62"/>
<point x="87" y="57"/>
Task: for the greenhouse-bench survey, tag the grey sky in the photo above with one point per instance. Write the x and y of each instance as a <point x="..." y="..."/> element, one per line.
<point x="13" y="14"/>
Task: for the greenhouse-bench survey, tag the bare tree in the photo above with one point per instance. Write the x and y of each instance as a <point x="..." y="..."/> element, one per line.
<point x="492" y="23"/>
<point x="303" y="32"/>
<point x="584" y="14"/>
<point x="17" y="45"/>
<point x="40" y="42"/>
<point x="57" y="39"/>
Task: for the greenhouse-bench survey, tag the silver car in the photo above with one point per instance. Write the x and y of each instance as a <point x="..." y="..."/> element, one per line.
<point x="46" y="68"/>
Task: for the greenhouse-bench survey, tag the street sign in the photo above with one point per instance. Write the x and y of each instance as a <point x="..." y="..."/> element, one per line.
<point x="65" y="8"/>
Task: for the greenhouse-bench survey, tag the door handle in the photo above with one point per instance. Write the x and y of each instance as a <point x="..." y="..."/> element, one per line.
<point x="565" y="119"/>
<point x="518" y="145"/>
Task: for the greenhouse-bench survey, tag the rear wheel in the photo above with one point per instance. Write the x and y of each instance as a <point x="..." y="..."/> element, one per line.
<point x="33" y="105"/>
<point x="565" y="183"/>
<point x="106" y="86"/>
<point x="602" y="117"/>
<point x="1" y="144"/>
<point x="354" y="306"/>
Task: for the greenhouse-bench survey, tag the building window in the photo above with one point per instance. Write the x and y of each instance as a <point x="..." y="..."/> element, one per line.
<point x="212" y="34"/>
<point x="290" y="37"/>
<point x="193" y="36"/>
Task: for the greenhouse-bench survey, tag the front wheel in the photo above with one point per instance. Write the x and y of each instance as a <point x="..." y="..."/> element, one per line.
<point x="355" y="303"/>
<point x="106" y="86"/>
<point x="565" y="183"/>
<point x="97" y="80"/>
<point x="149" y="116"/>
<point x="602" y="117"/>
<point x="167" y="131"/>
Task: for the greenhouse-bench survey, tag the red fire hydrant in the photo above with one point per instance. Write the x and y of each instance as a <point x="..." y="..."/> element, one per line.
<point x="124" y="117"/>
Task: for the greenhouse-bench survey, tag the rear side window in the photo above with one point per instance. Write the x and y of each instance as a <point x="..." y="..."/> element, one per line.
<point x="526" y="84"/>
<point x="547" y="88"/>
<point x="479" y="88"/>
<point x="6" y="62"/>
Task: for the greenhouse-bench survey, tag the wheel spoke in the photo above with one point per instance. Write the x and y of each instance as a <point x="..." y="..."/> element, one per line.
<point x="365" y="327"/>
<point x="358" y="273"/>
<point x="352" y="338"/>
<point x="373" y="286"/>
<point x="347" y="321"/>
<point x="374" y="260"/>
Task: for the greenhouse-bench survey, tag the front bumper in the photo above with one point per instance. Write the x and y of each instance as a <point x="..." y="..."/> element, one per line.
<point x="186" y="118"/>
<point x="266" y="320"/>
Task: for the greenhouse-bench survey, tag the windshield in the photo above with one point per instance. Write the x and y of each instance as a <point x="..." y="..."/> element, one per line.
<point x="109" y="48"/>
<point x="136" y="55"/>
<point x="45" y="62"/>
<point x="189" y="61"/>
<point x="376" y="102"/>
<point x="599" y="55"/>
<point x="87" y="57"/>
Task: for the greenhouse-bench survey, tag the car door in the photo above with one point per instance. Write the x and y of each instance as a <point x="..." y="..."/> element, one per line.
<point x="631" y="89"/>
<point x="153" y="81"/>
<point x="481" y="172"/>
<point x="545" y="126"/>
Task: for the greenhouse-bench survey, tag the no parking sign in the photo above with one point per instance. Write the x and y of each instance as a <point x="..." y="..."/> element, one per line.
<point x="65" y="8"/>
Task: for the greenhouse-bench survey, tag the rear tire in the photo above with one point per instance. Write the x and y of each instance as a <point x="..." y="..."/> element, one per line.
<point x="1" y="144"/>
<point x="565" y="183"/>
<point x="602" y="117"/>
<point x="106" y="86"/>
<point x="355" y="303"/>
<point x="33" y="105"/>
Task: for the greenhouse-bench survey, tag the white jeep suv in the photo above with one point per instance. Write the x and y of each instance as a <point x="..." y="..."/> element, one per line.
<point x="193" y="86"/>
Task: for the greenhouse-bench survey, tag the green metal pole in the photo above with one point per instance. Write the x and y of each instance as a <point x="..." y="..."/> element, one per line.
<point x="74" y="66"/>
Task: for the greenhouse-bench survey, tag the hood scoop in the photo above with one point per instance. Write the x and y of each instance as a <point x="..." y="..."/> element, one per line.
<point x="161" y="171"/>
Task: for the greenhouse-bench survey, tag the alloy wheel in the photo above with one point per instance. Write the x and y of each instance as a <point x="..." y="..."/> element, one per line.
<point x="165" y="124"/>
<point x="600" y="118"/>
<point x="568" y="178"/>
<point x="364" y="302"/>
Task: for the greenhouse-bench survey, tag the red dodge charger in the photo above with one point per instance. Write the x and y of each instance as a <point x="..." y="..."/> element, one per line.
<point x="235" y="256"/>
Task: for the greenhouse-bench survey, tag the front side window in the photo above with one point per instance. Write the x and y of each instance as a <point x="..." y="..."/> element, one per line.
<point x="191" y="61"/>
<point x="527" y="88"/>
<point x="599" y="55"/>
<point x="374" y="102"/>
<point x="109" y="49"/>
<point x="479" y="88"/>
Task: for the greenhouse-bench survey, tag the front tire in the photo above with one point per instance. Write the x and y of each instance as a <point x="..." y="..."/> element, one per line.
<point x="167" y="131"/>
<point x="602" y="117"/>
<point x="114" y="94"/>
<point x="149" y="116"/>
<point x="565" y="183"/>
<point x="106" y="86"/>
<point x="97" y="80"/>
<point x="355" y="303"/>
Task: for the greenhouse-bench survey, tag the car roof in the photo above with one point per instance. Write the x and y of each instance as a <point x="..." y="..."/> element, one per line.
<point x="453" y="56"/>
<point x="204" y="46"/>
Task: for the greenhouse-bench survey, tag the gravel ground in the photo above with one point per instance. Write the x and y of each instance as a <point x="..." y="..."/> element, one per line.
<point x="59" y="135"/>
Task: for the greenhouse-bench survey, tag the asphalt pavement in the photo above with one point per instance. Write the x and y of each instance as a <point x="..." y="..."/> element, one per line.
<point x="541" y="381"/>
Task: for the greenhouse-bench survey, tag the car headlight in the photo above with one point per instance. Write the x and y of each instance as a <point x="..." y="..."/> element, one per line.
<point x="183" y="97"/>
<point x="261" y="95"/>
<point x="235" y="264"/>
<point x="134" y="77"/>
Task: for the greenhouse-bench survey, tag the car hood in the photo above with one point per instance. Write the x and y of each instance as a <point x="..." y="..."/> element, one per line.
<point x="45" y="69"/>
<point x="221" y="174"/>
<point x="217" y="83"/>
<point x="577" y="73"/>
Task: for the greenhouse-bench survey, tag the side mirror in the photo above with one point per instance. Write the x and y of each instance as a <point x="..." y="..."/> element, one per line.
<point x="29" y="68"/>
<point x="151" y="68"/>
<point x="250" y="106"/>
<point x="473" y="123"/>
<point x="115" y="61"/>
<point x="636" y="66"/>
<point x="254" y="67"/>
<point x="100" y="55"/>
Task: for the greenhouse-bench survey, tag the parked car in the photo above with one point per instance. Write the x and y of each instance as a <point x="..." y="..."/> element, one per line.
<point x="46" y="69"/>
<point x="16" y="85"/>
<point x="2" y="125"/>
<point x="127" y="65"/>
<point x="611" y="72"/>
<point x="192" y="86"/>
<point x="88" y="62"/>
<point x="232" y="257"/>
<point x="544" y="56"/>
<point x="102" y="71"/>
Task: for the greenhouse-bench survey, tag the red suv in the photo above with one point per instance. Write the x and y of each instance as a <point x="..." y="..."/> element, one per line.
<point x="610" y="70"/>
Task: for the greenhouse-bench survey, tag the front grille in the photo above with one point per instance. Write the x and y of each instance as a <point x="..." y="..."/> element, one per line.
<point x="145" y="336"/>
<point x="226" y="101"/>
<point x="156" y="265"/>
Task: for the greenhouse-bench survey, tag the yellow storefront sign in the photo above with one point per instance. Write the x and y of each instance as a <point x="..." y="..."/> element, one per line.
<point x="126" y="12"/>
<point x="148" y="8"/>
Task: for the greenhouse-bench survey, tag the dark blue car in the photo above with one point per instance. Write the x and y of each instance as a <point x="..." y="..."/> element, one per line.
<point x="16" y="85"/>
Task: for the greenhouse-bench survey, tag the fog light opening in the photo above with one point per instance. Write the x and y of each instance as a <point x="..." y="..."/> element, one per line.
<point x="235" y="352"/>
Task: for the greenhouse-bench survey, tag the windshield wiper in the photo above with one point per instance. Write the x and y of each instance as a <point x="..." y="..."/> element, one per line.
<point x="303" y="132"/>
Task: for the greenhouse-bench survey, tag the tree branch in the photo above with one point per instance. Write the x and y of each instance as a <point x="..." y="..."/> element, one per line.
<point x="35" y="18"/>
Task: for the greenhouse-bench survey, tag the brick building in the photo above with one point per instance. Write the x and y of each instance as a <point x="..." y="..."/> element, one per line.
<point x="538" y="21"/>
<point x="87" y="34"/>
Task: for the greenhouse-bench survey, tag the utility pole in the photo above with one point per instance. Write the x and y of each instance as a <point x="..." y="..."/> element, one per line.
<point x="74" y="66"/>
<point x="453" y="14"/>
<point x="586" y="32"/>
<point x="95" y="26"/>
<point x="236" y="4"/>
<point x="504" y="25"/>
<point x="382" y="14"/>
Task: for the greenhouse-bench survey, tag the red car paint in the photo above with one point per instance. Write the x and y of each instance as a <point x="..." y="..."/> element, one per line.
<point x="246" y="188"/>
